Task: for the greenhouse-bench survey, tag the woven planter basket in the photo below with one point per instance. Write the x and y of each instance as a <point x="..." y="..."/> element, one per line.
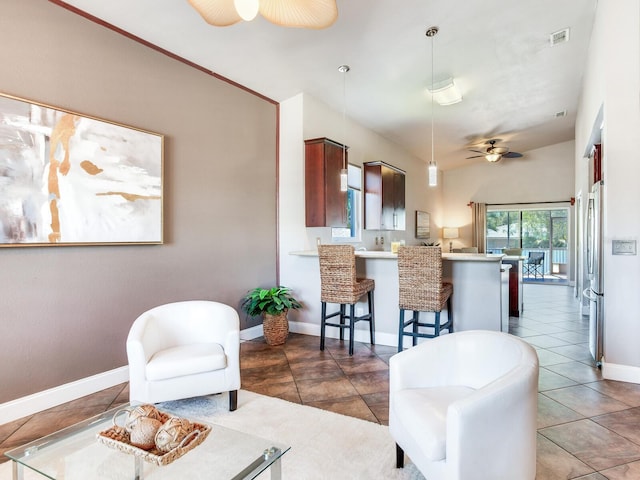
<point x="276" y="328"/>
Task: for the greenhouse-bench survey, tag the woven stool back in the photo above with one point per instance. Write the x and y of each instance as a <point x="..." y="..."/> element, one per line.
<point x="337" y="273"/>
<point x="420" y="279"/>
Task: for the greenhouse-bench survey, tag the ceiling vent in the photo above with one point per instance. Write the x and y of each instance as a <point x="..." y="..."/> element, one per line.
<point x="562" y="113"/>
<point x="561" y="36"/>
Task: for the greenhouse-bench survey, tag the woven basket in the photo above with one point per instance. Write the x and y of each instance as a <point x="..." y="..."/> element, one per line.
<point x="276" y="328"/>
<point x="118" y="438"/>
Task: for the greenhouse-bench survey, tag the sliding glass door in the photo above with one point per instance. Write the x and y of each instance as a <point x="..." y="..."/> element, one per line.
<point x="532" y="230"/>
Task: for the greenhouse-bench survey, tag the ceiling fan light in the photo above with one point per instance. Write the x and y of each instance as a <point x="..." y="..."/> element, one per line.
<point x="247" y="9"/>
<point x="493" y="157"/>
<point x="498" y="150"/>
<point x="220" y="13"/>
<point x="445" y="92"/>
<point x="315" y="14"/>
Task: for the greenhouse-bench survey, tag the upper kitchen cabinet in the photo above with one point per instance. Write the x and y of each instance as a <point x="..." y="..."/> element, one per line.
<point x="384" y="192"/>
<point x="325" y="204"/>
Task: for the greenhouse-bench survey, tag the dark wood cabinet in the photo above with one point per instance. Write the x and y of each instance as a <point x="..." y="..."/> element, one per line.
<point x="384" y="197"/>
<point x="325" y="204"/>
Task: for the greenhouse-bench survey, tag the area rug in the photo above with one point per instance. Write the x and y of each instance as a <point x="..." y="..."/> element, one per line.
<point x="324" y="445"/>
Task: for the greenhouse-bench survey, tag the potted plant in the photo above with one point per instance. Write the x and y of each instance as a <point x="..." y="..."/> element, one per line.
<point x="273" y="304"/>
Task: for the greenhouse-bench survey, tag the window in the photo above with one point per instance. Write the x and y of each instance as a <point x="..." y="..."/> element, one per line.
<point x="354" y="208"/>
<point x="503" y="229"/>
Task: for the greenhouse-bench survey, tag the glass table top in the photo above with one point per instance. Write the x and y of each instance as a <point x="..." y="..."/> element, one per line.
<point x="75" y="453"/>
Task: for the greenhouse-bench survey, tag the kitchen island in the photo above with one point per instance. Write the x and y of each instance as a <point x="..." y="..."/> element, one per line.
<point x="479" y="287"/>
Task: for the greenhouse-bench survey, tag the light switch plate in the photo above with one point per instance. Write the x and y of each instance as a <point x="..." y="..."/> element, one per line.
<point x="623" y="247"/>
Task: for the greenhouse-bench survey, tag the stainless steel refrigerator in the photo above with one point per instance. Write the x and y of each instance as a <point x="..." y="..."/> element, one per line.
<point x="595" y="292"/>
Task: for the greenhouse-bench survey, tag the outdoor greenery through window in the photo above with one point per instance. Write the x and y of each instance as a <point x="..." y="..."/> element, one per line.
<point x="354" y="201"/>
<point x="532" y="230"/>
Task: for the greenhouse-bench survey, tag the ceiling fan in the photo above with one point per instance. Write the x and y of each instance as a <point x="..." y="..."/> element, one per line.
<point x="494" y="154"/>
<point x="314" y="14"/>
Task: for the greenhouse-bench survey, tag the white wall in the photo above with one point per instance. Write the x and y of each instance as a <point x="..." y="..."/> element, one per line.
<point x="303" y="117"/>
<point x="541" y="175"/>
<point x="613" y="80"/>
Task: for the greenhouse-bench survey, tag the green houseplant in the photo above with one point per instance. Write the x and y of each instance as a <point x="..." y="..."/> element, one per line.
<point x="273" y="304"/>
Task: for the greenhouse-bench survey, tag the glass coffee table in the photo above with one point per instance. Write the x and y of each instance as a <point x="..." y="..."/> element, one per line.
<point x="74" y="453"/>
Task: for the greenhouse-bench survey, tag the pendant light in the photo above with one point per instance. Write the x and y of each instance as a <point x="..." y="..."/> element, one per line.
<point x="344" y="173"/>
<point x="433" y="168"/>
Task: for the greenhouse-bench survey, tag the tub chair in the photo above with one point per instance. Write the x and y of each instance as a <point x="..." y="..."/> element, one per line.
<point x="463" y="406"/>
<point x="183" y="350"/>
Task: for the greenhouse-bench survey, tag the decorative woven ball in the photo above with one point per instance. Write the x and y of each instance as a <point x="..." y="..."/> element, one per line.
<point x="145" y="410"/>
<point x="143" y="432"/>
<point x="172" y="432"/>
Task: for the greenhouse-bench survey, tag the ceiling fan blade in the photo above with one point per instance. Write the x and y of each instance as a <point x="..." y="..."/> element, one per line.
<point x="300" y="13"/>
<point x="220" y="13"/>
<point x="478" y="151"/>
<point x="476" y="156"/>
<point x="512" y="155"/>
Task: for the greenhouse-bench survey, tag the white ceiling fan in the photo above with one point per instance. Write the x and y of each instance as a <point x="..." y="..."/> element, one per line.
<point x="494" y="153"/>
<point x="314" y="14"/>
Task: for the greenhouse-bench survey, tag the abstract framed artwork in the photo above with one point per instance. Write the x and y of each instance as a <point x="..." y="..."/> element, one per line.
<point x="422" y="225"/>
<point x="71" y="179"/>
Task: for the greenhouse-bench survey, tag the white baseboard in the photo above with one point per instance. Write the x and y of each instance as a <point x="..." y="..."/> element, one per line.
<point x="313" y="329"/>
<point x="22" y="407"/>
<point x="251" y="333"/>
<point x="305" y="328"/>
<point x="361" y="335"/>
<point x="37" y="402"/>
<point x="621" y="373"/>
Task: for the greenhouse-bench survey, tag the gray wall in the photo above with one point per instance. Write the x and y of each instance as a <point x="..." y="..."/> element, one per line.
<point x="65" y="311"/>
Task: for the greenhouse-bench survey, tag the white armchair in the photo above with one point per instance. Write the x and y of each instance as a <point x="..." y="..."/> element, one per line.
<point x="182" y="350"/>
<point x="464" y="406"/>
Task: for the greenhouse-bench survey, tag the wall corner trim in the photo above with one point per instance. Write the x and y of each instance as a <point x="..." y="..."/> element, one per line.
<point x="94" y="19"/>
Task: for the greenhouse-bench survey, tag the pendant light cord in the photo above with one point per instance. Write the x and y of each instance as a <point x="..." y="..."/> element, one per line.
<point x="432" y="144"/>
<point x="344" y="173"/>
<point x="344" y="69"/>
<point x="433" y="169"/>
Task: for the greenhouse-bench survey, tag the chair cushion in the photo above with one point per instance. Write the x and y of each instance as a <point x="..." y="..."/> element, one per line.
<point x="185" y="360"/>
<point x="423" y="413"/>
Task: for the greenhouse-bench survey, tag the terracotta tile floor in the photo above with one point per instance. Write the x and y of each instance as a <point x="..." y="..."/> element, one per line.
<point x="588" y="428"/>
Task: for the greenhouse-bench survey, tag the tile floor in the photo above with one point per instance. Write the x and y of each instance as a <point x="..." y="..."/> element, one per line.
<point x="588" y="428"/>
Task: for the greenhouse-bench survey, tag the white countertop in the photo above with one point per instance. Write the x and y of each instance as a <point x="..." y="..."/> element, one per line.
<point x="466" y="257"/>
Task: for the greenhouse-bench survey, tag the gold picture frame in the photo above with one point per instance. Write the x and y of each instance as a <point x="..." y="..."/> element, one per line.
<point x="72" y="179"/>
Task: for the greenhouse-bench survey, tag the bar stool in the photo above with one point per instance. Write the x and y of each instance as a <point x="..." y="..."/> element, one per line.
<point x="421" y="289"/>
<point x="339" y="284"/>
